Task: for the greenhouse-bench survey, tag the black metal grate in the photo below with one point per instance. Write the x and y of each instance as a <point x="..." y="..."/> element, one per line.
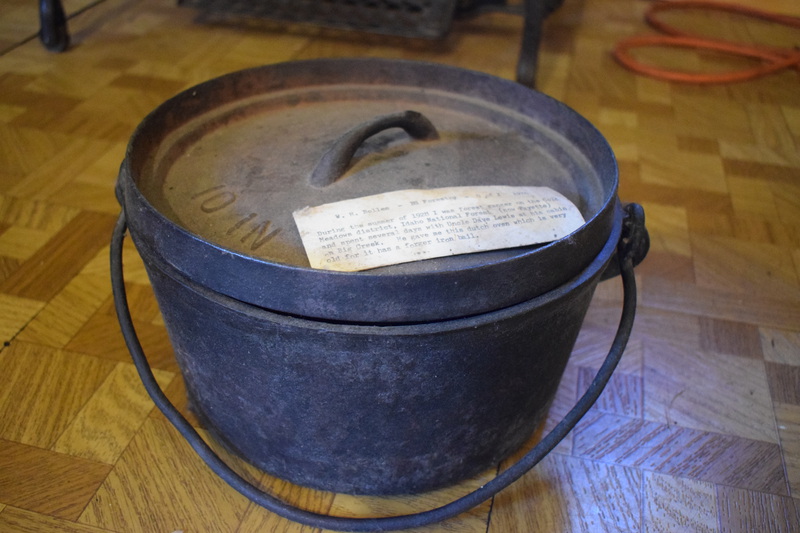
<point x="408" y="18"/>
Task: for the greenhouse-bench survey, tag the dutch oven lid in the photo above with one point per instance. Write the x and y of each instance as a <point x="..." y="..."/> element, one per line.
<point x="213" y="175"/>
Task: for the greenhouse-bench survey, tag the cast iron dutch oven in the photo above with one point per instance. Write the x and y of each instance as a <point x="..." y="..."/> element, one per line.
<point x="393" y="380"/>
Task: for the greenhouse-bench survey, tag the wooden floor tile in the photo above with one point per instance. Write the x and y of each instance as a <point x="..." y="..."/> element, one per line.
<point x="53" y="175"/>
<point x="735" y="338"/>
<point x="679" y="504"/>
<point x="760" y="229"/>
<point x="46" y="482"/>
<point x="669" y="266"/>
<point x="743" y="510"/>
<point x="13" y="520"/>
<point x="43" y="389"/>
<point x="749" y="197"/>
<point x="676" y="328"/>
<point x="66" y="313"/>
<point x="42" y="276"/>
<point x="759" y="267"/>
<point x="781" y="346"/>
<point x="8" y="266"/>
<point x="38" y="115"/>
<point x="677" y="388"/>
<point x="154" y="468"/>
<point x="24" y="150"/>
<point x="784" y="383"/>
<point x="670" y="227"/>
<point x="680" y="169"/>
<point x="15" y="313"/>
<point x="568" y="494"/>
<point x="34" y="215"/>
<point x="754" y="308"/>
<point x="677" y="451"/>
<point x="110" y="419"/>
<point x="20" y="243"/>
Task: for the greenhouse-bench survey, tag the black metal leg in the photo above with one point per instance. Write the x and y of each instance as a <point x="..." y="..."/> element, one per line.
<point x="531" y="37"/>
<point x="53" y="25"/>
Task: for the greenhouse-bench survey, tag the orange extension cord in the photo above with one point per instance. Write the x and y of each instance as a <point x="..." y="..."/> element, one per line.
<point x="772" y="58"/>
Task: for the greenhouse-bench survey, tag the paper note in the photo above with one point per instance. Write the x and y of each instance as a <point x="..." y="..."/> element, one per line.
<point x="410" y="225"/>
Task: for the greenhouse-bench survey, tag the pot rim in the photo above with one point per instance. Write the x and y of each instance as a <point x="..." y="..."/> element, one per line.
<point x="588" y="275"/>
<point x="286" y="288"/>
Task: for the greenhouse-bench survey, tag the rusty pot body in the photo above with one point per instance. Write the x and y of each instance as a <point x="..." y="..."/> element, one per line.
<point x="371" y="409"/>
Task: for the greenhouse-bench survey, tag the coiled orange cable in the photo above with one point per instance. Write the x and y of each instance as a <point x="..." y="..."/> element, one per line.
<point x="772" y="59"/>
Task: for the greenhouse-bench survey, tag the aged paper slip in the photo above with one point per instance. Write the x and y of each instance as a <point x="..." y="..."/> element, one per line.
<point x="409" y="225"/>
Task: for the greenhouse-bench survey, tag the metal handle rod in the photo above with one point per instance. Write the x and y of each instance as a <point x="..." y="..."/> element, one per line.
<point x="389" y="523"/>
<point x="337" y="159"/>
<point x="53" y="32"/>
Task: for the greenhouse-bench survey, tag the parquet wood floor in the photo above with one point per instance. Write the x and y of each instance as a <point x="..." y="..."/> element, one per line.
<point x="699" y="429"/>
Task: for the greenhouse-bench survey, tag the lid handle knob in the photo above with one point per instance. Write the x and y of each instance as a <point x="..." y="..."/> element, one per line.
<point x="337" y="159"/>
